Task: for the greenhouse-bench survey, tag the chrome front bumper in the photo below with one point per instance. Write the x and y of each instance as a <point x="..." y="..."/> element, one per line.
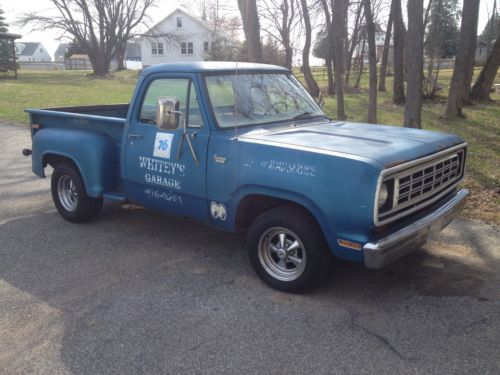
<point x="412" y="237"/>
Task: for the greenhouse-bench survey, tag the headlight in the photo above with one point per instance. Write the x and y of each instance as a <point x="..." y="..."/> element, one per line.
<point x="383" y="194"/>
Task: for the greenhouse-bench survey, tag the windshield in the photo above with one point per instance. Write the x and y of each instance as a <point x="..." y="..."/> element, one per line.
<point x="259" y="98"/>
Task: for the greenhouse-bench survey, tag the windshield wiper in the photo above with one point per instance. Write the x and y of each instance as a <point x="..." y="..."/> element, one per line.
<point x="307" y="115"/>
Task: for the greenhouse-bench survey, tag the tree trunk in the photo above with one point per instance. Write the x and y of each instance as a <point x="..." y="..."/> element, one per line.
<point x="287" y="15"/>
<point x="415" y="64"/>
<point x="251" y="27"/>
<point x="120" y="56"/>
<point x="482" y="87"/>
<point x="398" y="95"/>
<point x="339" y="15"/>
<point x="100" y="63"/>
<point x="288" y="57"/>
<point x="464" y="61"/>
<point x="372" y="64"/>
<point x="329" y="72"/>
<point x="311" y="83"/>
<point x="330" y="46"/>
<point x="361" y="62"/>
<point x="385" y="53"/>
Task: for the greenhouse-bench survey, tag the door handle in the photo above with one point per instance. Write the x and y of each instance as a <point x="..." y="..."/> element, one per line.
<point x="134" y="136"/>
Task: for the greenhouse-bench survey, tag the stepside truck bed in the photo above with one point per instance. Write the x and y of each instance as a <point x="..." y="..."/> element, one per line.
<point x="107" y="119"/>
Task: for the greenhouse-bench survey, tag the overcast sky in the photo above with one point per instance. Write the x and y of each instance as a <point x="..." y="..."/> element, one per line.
<point x="50" y="39"/>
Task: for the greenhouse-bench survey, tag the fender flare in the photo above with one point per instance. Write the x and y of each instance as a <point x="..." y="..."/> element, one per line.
<point x="291" y="196"/>
<point x="93" y="153"/>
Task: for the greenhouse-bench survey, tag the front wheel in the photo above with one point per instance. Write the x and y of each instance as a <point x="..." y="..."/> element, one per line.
<point x="287" y="249"/>
<point x="70" y="197"/>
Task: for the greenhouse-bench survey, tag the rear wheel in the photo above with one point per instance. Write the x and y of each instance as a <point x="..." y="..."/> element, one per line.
<point x="70" y="197"/>
<point x="287" y="249"/>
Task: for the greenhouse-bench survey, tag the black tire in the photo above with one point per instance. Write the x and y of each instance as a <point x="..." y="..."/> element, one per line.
<point x="70" y="196"/>
<point x="266" y="249"/>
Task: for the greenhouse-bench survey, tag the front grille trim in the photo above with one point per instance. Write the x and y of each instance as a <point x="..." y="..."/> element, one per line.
<point x="455" y="176"/>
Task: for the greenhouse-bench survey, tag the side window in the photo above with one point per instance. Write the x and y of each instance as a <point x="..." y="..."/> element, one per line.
<point x="194" y="118"/>
<point x="176" y="87"/>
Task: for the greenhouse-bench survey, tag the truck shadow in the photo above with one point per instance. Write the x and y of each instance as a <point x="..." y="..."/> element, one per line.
<point x="141" y="292"/>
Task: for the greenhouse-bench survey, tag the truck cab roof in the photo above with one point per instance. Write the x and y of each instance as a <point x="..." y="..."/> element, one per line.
<point x="213" y="66"/>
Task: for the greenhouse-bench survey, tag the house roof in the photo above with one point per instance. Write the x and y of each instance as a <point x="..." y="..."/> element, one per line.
<point x="61" y="49"/>
<point x="9" y="36"/>
<point x="79" y="56"/>
<point x="178" y="9"/>
<point x="29" y="48"/>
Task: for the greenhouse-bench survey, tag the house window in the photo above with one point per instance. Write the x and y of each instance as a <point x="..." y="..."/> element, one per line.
<point x="157" y="48"/>
<point x="205" y="46"/>
<point x="179" y="22"/>
<point x="41" y="50"/>
<point x="186" y="48"/>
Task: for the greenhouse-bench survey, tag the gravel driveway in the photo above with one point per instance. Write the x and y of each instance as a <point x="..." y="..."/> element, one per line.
<point x="139" y="292"/>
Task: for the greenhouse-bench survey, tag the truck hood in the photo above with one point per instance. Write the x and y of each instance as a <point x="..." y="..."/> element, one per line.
<point x="387" y="145"/>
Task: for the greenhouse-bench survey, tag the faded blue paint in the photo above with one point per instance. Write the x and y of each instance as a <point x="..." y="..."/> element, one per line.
<point x="330" y="168"/>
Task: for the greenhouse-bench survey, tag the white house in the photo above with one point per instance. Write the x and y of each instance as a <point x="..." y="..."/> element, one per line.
<point x="379" y="44"/>
<point x="60" y="54"/>
<point x="31" y="52"/>
<point x="178" y="37"/>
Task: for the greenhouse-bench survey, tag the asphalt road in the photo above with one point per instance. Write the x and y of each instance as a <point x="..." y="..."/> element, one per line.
<point x="138" y="292"/>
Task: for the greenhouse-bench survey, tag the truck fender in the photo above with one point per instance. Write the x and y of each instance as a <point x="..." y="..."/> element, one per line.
<point x="286" y="196"/>
<point x="93" y="153"/>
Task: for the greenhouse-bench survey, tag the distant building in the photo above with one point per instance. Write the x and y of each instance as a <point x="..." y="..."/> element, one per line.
<point x="78" y="62"/>
<point x="133" y="51"/>
<point x="481" y="52"/>
<point x="31" y="52"/>
<point x="178" y="37"/>
<point x="60" y="54"/>
<point x="379" y="44"/>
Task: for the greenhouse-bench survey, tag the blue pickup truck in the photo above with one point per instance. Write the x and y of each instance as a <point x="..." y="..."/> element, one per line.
<point x="244" y="148"/>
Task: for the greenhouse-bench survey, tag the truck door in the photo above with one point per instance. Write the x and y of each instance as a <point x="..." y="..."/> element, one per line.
<point x="157" y="172"/>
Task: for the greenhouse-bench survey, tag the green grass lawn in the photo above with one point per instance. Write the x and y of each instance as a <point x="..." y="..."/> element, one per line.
<point x="44" y="89"/>
<point x="481" y="129"/>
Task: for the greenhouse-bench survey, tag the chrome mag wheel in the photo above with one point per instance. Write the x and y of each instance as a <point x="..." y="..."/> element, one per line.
<point x="282" y="254"/>
<point x="67" y="192"/>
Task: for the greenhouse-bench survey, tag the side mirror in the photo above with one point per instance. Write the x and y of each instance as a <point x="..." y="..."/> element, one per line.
<point x="167" y="112"/>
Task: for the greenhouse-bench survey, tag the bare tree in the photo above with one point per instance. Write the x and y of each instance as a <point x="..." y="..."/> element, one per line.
<point x="224" y="29"/>
<point x="385" y="52"/>
<point x="372" y="63"/>
<point x="311" y="83"/>
<point x="356" y="37"/>
<point x="283" y="18"/>
<point x="130" y="13"/>
<point x="251" y="27"/>
<point x="99" y="27"/>
<point x="464" y="62"/>
<point x="398" y="95"/>
<point x="414" y="58"/>
<point x="482" y="88"/>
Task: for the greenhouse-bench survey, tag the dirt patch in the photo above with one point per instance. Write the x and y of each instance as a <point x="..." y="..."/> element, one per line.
<point x="483" y="203"/>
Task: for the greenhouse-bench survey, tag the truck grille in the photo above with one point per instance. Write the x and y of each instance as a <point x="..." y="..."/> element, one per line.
<point x="417" y="186"/>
